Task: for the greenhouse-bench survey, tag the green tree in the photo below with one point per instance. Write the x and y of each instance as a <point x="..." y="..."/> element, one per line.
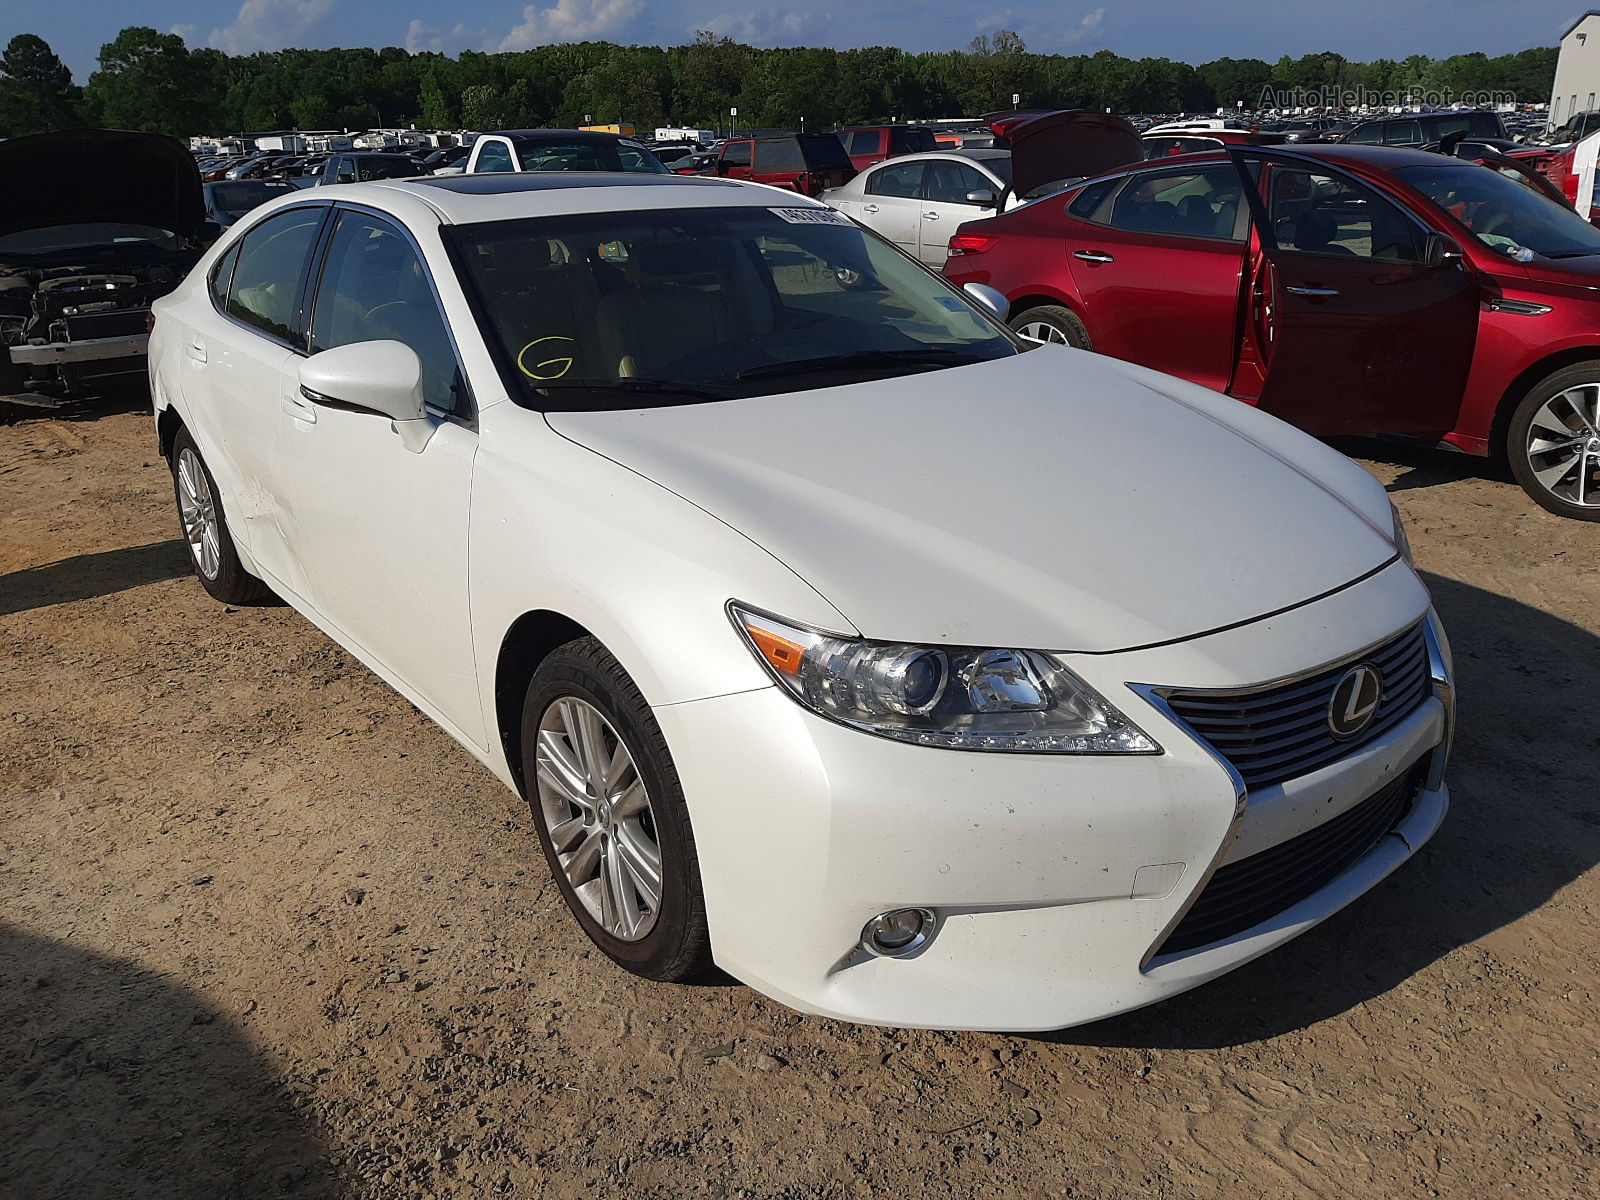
<point x="483" y="106"/>
<point x="149" y="81"/>
<point x="36" y="89"/>
<point x="437" y="111"/>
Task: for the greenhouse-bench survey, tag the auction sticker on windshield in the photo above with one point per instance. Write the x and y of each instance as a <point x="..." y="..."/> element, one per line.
<point x="811" y="216"/>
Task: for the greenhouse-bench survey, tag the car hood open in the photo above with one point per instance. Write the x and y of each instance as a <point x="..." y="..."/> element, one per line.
<point x="1070" y="144"/>
<point x="93" y="176"/>
<point x="1056" y="500"/>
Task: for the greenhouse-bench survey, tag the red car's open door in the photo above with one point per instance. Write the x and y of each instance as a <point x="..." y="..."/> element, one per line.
<point x="1359" y="323"/>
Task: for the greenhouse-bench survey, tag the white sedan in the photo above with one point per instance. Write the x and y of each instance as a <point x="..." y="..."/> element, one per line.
<point x="832" y="635"/>
<point x="918" y="201"/>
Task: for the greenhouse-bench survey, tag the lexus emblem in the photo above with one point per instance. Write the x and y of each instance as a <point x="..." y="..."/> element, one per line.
<point x="1355" y="701"/>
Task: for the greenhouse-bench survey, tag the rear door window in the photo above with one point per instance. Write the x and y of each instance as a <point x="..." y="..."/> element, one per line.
<point x="949" y="182"/>
<point x="1402" y="133"/>
<point x="865" y="141"/>
<point x="780" y="156"/>
<point x="736" y="154"/>
<point x="902" y="180"/>
<point x="1202" y="203"/>
<point x="265" y="287"/>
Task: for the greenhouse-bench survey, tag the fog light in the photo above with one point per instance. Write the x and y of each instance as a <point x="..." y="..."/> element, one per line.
<point x="897" y="932"/>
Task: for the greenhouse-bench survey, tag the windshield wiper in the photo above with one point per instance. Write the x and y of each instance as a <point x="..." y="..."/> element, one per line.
<point x="651" y="387"/>
<point x="866" y="359"/>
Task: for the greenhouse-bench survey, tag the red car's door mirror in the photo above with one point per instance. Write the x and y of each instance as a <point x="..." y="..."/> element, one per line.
<point x="1438" y="249"/>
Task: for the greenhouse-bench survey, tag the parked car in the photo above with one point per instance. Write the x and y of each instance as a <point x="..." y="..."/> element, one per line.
<point x="1357" y="290"/>
<point x="559" y="150"/>
<point x="919" y="200"/>
<point x="699" y="162"/>
<point x="108" y="221"/>
<point x="229" y="200"/>
<point x="807" y="163"/>
<point x="365" y="165"/>
<point x="1166" y="145"/>
<point x="1421" y="129"/>
<point x="868" y="145"/>
<point x="815" y="622"/>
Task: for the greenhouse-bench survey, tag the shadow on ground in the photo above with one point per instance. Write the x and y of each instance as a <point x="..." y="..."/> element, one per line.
<point x="84" y="576"/>
<point x="117" y="1083"/>
<point x="1524" y="822"/>
<point x="1425" y="466"/>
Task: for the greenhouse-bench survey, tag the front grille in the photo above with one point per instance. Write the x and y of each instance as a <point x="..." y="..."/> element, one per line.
<point x="1280" y="732"/>
<point x="1243" y="894"/>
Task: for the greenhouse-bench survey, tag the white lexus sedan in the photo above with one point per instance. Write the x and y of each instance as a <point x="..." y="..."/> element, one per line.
<point x="833" y="635"/>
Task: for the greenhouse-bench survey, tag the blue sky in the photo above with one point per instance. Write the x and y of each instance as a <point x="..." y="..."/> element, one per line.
<point x="1182" y="29"/>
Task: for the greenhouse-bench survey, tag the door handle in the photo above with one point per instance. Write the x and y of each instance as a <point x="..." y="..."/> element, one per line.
<point x="930" y="216"/>
<point x="1311" y="291"/>
<point x="195" y="349"/>
<point x="1094" y="256"/>
<point x="299" y="407"/>
<point x="869" y="208"/>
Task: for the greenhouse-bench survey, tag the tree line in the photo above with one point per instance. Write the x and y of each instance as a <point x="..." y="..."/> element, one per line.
<point x="152" y="81"/>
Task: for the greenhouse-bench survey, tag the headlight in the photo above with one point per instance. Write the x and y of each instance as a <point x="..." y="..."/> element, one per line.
<point x="963" y="699"/>
<point x="1401" y="542"/>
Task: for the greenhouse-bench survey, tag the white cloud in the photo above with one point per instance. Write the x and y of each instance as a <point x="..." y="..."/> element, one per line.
<point x="267" y="25"/>
<point x="571" y="21"/>
<point x="420" y="37"/>
<point x="769" y="28"/>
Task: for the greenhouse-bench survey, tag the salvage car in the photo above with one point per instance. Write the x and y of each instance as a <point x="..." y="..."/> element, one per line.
<point x="1347" y="289"/>
<point x="559" y="150"/>
<point x="108" y="222"/>
<point x="805" y="604"/>
<point x="920" y="200"/>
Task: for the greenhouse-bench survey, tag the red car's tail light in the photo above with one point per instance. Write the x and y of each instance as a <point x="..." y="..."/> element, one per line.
<point x="971" y="243"/>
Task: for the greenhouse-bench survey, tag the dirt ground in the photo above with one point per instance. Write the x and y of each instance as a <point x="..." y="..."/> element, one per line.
<point x="265" y="931"/>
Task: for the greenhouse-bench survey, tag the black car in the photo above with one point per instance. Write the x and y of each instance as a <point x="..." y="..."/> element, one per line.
<point x="229" y="199"/>
<point x="108" y="222"/>
<point x="1422" y="129"/>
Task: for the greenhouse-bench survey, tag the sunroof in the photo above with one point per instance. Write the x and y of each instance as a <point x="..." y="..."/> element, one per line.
<point x="501" y="182"/>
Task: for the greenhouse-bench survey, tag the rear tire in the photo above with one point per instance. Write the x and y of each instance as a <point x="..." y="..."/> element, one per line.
<point x="620" y="848"/>
<point x="205" y="528"/>
<point x="1553" y="442"/>
<point x="1053" y="325"/>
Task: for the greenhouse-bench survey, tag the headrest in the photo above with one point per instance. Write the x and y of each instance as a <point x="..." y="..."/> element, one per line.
<point x="679" y="258"/>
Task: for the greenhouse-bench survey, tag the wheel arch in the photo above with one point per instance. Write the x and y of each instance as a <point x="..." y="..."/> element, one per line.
<point x="168" y="423"/>
<point x="526" y="644"/>
<point x="1524" y="383"/>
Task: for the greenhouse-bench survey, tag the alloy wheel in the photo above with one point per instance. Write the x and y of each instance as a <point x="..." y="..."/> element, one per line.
<point x="1039" y="331"/>
<point x="1563" y="445"/>
<point x="197" y="509"/>
<point x="597" y="813"/>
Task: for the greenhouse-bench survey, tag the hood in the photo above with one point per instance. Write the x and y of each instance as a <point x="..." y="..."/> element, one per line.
<point x="1071" y="144"/>
<point x="1056" y="500"/>
<point x="99" y="175"/>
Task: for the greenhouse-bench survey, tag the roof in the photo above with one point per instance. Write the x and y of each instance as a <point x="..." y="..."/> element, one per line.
<point x="1593" y="12"/>
<point x="468" y="199"/>
<point x="554" y="135"/>
<point x="1379" y="158"/>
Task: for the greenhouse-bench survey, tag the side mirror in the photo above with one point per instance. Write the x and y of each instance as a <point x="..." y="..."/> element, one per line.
<point x="992" y="300"/>
<point x="983" y="197"/>
<point x="377" y="377"/>
<point x="1439" y="249"/>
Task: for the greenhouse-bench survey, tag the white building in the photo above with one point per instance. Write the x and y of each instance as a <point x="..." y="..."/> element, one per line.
<point x="1577" y="83"/>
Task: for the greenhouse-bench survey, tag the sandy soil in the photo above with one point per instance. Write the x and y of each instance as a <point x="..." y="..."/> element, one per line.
<point x="265" y="931"/>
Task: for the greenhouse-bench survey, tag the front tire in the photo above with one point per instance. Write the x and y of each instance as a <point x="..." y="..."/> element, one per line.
<point x="1553" y="442"/>
<point x="205" y="528"/>
<point x="611" y="816"/>
<point x="1052" y="324"/>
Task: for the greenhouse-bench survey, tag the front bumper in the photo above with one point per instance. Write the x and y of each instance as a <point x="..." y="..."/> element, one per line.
<point x="1054" y="879"/>
<point x="133" y="346"/>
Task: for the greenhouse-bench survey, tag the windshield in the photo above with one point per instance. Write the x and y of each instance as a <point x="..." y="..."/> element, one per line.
<point x="621" y="310"/>
<point x="1504" y="215"/>
<point x="96" y="236"/>
<point x="589" y="155"/>
<point x="240" y="197"/>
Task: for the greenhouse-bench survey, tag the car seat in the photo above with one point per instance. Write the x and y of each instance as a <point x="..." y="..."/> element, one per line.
<point x="671" y="307"/>
<point x="1314" y="232"/>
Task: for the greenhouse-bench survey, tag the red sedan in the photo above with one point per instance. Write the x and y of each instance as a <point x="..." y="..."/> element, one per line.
<point x="1347" y="289"/>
